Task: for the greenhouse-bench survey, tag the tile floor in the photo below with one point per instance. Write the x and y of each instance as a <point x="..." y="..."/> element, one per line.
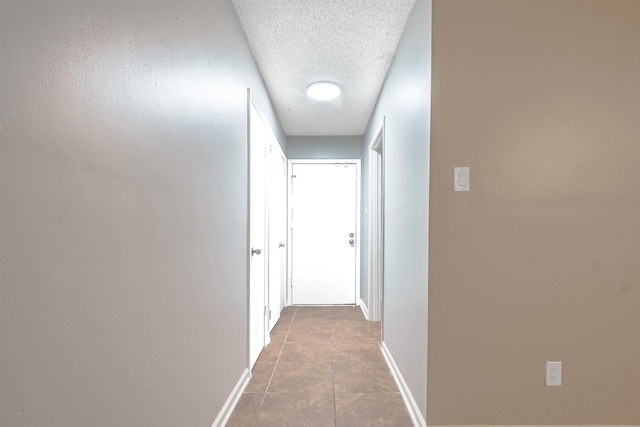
<point x="323" y="367"/>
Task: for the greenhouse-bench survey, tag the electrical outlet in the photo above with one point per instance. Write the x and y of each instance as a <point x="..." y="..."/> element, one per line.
<point x="554" y="373"/>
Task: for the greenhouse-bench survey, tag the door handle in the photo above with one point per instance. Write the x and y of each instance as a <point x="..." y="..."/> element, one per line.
<point x="281" y="245"/>
<point x="255" y="251"/>
<point x="351" y="242"/>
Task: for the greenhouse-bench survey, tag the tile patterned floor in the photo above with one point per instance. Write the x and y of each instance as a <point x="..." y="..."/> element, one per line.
<point x="323" y="367"/>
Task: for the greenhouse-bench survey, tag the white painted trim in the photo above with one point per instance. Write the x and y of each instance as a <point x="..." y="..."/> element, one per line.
<point x="248" y="254"/>
<point x="375" y="257"/>
<point x="358" y="163"/>
<point x="232" y="401"/>
<point x="409" y="401"/>
<point x="364" y="309"/>
<point x="275" y="159"/>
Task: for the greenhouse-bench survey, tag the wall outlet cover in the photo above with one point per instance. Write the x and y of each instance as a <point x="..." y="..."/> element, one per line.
<point x="554" y="373"/>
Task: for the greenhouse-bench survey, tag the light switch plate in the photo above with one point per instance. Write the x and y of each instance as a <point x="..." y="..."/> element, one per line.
<point x="461" y="179"/>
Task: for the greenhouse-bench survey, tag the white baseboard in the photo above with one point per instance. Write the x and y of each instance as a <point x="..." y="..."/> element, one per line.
<point x="233" y="399"/>
<point x="364" y="309"/>
<point x="414" y="411"/>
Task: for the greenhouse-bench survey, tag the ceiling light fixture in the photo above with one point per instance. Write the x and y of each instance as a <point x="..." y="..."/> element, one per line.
<point x="323" y="91"/>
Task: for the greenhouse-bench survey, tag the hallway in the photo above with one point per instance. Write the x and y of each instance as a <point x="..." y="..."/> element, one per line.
<point x="323" y="367"/>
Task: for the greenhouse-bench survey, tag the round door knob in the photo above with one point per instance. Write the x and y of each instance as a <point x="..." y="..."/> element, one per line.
<point x="351" y="241"/>
<point x="255" y="251"/>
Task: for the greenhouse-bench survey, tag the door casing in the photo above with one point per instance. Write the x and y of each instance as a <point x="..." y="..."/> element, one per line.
<point x="376" y="227"/>
<point x="276" y="231"/>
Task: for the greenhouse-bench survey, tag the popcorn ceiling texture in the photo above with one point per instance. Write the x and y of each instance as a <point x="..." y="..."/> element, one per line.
<point x="349" y="42"/>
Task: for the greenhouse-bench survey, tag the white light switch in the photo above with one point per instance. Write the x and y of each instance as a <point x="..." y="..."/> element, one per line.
<point x="461" y="178"/>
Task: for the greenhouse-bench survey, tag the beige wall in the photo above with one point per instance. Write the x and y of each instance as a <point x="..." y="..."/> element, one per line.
<point x="541" y="260"/>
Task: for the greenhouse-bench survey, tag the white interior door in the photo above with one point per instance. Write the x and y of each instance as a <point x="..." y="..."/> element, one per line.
<point x="277" y="202"/>
<point x="324" y="232"/>
<point x="258" y="335"/>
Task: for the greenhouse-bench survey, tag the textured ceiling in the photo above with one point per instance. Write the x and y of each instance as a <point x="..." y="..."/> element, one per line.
<point x="349" y="42"/>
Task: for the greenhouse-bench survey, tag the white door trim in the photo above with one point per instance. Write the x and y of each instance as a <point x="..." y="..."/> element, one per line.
<point x="357" y="162"/>
<point x="248" y="130"/>
<point x="376" y="225"/>
<point x="276" y="254"/>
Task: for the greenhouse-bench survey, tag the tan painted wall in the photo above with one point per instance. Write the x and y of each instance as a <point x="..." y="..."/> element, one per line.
<point x="541" y="260"/>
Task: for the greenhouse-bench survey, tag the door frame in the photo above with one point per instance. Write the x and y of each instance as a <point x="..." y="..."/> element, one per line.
<point x="253" y="353"/>
<point x="376" y="226"/>
<point x="290" y="163"/>
<point x="276" y="243"/>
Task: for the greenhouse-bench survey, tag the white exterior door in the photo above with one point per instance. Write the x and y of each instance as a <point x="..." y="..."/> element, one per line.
<point x="324" y="232"/>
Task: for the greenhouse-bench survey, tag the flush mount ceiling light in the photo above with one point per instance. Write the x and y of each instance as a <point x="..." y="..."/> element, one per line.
<point x="323" y="91"/>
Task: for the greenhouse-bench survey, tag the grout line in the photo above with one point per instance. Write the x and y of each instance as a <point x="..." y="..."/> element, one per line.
<point x="274" y="368"/>
<point x="333" y="370"/>
<point x="333" y="319"/>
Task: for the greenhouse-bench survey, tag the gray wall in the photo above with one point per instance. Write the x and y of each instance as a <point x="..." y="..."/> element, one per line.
<point x="324" y="147"/>
<point x="123" y="211"/>
<point x="405" y="101"/>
